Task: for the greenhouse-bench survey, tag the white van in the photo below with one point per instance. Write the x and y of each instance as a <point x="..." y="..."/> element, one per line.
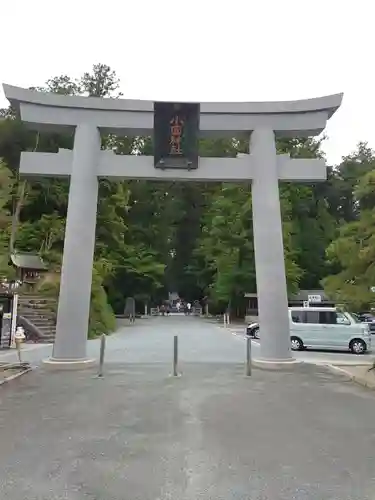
<point x="327" y="328"/>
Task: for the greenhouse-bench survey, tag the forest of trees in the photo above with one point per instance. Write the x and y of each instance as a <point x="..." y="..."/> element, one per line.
<point x="194" y="238"/>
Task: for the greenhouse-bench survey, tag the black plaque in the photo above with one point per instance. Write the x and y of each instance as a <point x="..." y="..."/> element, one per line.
<point x="176" y="134"/>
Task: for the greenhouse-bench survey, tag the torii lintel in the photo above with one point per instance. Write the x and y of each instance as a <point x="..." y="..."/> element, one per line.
<point x="121" y="167"/>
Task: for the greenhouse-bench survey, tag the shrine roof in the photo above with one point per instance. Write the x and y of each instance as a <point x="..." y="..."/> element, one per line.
<point x="28" y="261"/>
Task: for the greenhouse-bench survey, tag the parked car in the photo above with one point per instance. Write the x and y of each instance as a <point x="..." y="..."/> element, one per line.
<point x="323" y="328"/>
<point x="367" y="318"/>
<point x="327" y="328"/>
<point x="252" y="330"/>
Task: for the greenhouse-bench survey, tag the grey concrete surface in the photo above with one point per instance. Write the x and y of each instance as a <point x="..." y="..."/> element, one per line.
<point x="123" y="167"/>
<point x="269" y="249"/>
<point x="76" y="272"/>
<point x="51" y="111"/>
<point x="140" y="434"/>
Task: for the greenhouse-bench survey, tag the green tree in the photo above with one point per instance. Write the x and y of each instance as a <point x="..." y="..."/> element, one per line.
<point x="346" y="177"/>
<point x="353" y="251"/>
<point x="194" y="238"/>
<point x="101" y="82"/>
<point x="226" y="242"/>
<point x="6" y="191"/>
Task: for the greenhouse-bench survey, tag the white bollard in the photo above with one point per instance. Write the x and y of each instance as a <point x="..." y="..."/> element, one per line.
<point x="19" y="338"/>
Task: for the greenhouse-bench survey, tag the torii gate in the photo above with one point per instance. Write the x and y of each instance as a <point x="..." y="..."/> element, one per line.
<point x="89" y="116"/>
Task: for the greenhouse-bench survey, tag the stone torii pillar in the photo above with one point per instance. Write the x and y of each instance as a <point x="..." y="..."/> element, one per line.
<point x="269" y="249"/>
<point x="79" y="244"/>
<point x="86" y="163"/>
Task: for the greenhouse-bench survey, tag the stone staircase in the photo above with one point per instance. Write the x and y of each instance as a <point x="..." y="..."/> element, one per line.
<point x="40" y="312"/>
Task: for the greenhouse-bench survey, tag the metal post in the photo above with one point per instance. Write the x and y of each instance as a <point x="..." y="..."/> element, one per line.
<point x="248" y="357"/>
<point x="175" y="355"/>
<point x="102" y="351"/>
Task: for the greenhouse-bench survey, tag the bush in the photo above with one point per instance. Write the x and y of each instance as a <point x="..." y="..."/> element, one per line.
<point x="102" y="318"/>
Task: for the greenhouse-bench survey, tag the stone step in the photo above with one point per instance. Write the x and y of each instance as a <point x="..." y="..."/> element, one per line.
<point x="34" y="307"/>
<point x="47" y="331"/>
<point x="34" y="312"/>
<point x="35" y="300"/>
<point x="46" y="340"/>
<point x="38" y="319"/>
<point x="36" y="316"/>
<point x="40" y="311"/>
<point x="37" y="303"/>
<point x="50" y="326"/>
<point x="35" y="297"/>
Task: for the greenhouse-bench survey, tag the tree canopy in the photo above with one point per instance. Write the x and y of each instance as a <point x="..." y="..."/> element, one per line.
<point x="194" y="238"/>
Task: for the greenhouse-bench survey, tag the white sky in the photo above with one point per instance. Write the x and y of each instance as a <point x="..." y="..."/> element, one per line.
<point x="205" y="51"/>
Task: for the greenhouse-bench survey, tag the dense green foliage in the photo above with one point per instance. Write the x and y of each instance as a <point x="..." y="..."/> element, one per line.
<point x="192" y="238"/>
<point x="353" y="250"/>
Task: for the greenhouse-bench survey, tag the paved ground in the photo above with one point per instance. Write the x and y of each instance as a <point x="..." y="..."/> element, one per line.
<point x="133" y="342"/>
<point x="140" y="434"/>
<point x="151" y="340"/>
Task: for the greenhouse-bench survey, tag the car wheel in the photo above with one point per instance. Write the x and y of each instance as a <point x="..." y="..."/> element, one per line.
<point x="297" y="344"/>
<point x="357" y="346"/>
<point x="256" y="332"/>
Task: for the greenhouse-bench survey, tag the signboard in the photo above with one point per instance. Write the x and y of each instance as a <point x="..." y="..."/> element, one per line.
<point x="176" y="134"/>
<point x="5" y="334"/>
<point x="314" y="298"/>
<point x="129" y="309"/>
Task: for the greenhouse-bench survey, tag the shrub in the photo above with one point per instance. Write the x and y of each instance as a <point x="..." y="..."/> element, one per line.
<point x="102" y="318"/>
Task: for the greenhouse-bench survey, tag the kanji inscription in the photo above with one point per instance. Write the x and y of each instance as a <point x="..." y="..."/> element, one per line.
<point x="176" y="134"/>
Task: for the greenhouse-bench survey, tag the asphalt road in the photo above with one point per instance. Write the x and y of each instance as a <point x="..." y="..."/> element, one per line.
<point x="212" y="433"/>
